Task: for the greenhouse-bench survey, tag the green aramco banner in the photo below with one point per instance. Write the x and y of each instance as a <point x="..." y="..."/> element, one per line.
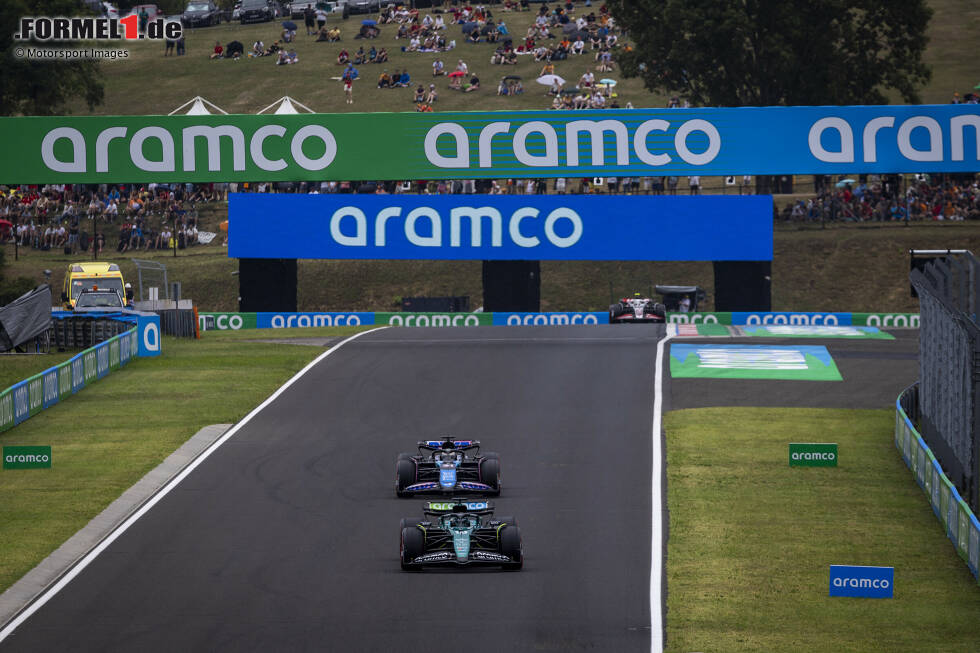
<point x="484" y="144"/>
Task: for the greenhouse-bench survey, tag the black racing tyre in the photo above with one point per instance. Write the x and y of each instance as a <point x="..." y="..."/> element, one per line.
<point x="660" y="310"/>
<point x="510" y="546"/>
<point x="405" y="474"/>
<point x="490" y="474"/>
<point x="509" y="520"/>
<point x="409" y="522"/>
<point x="404" y="456"/>
<point x="616" y="310"/>
<point x="491" y="454"/>
<point x="412" y="546"/>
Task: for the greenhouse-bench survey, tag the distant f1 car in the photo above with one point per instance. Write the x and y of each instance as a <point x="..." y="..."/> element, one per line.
<point x="637" y="309"/>
<point x="461" y="532"/>
<point x="447" y="465"/>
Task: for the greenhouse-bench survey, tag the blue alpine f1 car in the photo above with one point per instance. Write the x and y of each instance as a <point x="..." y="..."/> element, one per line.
<point x="460" y="532"/>
<point x="447" y="466"/>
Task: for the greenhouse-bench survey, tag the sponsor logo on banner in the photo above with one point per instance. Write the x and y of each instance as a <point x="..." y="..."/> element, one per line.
<point x="228" y="321"/>
<point x="291" y="320"/>
<point x="50" y="388"/>
<point x="21" y="407"/>
<point x="538" y="319"/>
<point x="467" y="145"/>
<point x="35" y="394"/>
<point x="862" y="582"/>
<point x="812" y="363"/>
<point x="803" y="319"/>
<point x="17" y="457"/>
<point x="812" y="454"/>
<point x="501" y="227"/>
<point x="898" y="320"/>
<point x="6" y="410"/>
<point x="699" y="318"/>
<point x="434" y="319"/>
<point x="148" y="330"/>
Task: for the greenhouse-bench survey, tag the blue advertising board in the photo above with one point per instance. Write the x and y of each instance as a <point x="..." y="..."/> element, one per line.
<point x="148" y="334"/>
<point x="501" y="227"/>
<point x="550" y="318"/>
<point x="863" y="582"/>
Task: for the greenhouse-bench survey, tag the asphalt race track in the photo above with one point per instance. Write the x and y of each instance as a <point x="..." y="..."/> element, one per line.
<point x="286" y="537"/>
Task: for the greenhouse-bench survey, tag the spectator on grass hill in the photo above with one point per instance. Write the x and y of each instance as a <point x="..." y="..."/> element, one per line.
<point x="218" y="50"/>
<point x="309" y="20"/>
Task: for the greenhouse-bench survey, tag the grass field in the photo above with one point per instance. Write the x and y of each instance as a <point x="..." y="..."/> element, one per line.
<point x="149" y="83"/>
<point x="752" y="539"/>
<point x="845" y="268"/>
<point x="108" y="436"/>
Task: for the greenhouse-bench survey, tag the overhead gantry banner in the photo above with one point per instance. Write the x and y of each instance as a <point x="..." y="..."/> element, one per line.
<point x="501" y="227"/>
<point x="467" y="145"/>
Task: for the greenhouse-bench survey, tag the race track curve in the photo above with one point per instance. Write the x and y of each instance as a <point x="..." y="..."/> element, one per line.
<point x="286" y="537"/>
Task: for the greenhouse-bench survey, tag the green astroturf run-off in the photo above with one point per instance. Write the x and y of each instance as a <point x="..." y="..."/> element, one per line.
<point x="801" y="363"/>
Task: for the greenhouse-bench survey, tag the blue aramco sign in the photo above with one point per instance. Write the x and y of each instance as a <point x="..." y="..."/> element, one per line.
<point x="501" y="227"/>
<point x="862" y="582"/>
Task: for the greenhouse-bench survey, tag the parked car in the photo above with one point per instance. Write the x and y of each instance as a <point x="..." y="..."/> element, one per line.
<point x="253" y="11"/>
<point x="109" y="10"/>
<point x="201" y="12"/>
<point x="364" y="6"/>
<point x="151" y="11"/>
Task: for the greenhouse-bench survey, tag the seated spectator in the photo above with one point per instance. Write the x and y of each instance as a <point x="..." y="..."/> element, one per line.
<point x="473" y="36"/>
<point x="414" y="44"/>
<point x="455" y="82"/>
<point x="405" y="80"/>
<point x="547" y="69"/>
<point x="439" y="23"/>
<point x="423" y="108"/>
<point x="258" y="49"/>
<point x="502" y="88"/>
<point x="273" y="49"/>
<point x="396" y="79"/>
<point x="402" y="32"/>
<point x="419" y="94"/>
<point x="438" y="68"/>
<point x="359" y="56"/>
<point x="234" y="50"/>
<point x="288" y="35"/>
<point x="343" y="57"/>
<point x="579" y="46"/>
<point x="432" y="95"/>
<point x="322" y="35"/>
<point x="334" y="34"/>
<point x="372" y="55"/>
<point x="474" y="84"/>
<point x="384" y="80"/>
<point x="510" y="58"/>
<point x="218" y="51"/>
<point x="382" y="56"/>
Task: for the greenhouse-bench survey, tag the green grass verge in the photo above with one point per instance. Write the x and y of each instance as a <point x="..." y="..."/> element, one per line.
<point x="109" y="435"/>
<point x="862" y="268"/>
<point x="751" y="539"/>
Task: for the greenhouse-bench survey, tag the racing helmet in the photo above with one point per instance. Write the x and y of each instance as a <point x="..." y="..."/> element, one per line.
<point x="448" y="444"/>
<point x="637" y="295"/>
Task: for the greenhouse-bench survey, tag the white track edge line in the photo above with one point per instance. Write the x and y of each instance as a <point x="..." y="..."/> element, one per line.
<point x="85" y="560"/>
<point x="656" y="541"/>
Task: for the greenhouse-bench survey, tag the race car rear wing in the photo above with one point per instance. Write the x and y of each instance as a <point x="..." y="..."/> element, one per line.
<point x="469" y="505"/>
<point x="461" y="445"/>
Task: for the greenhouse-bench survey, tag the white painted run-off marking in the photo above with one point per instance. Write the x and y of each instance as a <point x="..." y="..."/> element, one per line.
<point x="656" y="520"/>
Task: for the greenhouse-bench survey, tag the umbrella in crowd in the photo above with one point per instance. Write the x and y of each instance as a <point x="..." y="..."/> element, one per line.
<point x="608" y="82"/>
<point x="512" y="77"/>
<point x="548" y="80"/>
<point x="456" y="73"/>
<point x="289" y="25"/>
<point x="369" y="22"/>
<point x="469" y="27"/>
<point x="844" y="182"/>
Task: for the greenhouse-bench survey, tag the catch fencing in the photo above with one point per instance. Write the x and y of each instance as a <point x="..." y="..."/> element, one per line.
<point x="959" y="522"/>
<point x="949" y="367"/>
<point x="30" y="396"/>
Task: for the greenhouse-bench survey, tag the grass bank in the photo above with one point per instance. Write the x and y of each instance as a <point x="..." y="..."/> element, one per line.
<point x="108" y="436"/>
<point x="751" y="539"/>
<point x="841" y="268"/>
